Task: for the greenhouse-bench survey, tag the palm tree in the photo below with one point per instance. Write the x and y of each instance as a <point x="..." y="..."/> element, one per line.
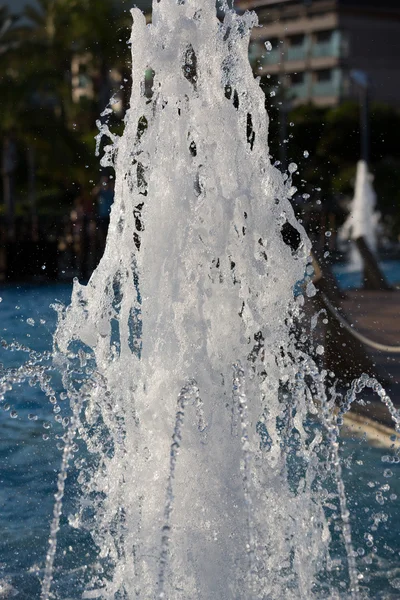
<point x="102" y="30"/>
<point x="35" y="81"/>
<point x="8" y="38"/>
<point x="62" y="29"/>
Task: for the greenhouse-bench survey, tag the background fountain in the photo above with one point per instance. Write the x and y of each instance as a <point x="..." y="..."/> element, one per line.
<point x="363" y="218"/>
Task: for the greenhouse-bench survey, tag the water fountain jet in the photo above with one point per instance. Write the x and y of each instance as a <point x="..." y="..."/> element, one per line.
<point x="198" y="264"/>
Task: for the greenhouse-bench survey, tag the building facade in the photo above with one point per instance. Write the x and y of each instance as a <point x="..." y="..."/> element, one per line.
<point x="318" y="49"/>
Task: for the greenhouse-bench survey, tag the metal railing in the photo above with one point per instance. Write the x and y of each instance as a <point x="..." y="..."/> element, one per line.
<point x="328" y="48"/>
<point x="299" y="52"/>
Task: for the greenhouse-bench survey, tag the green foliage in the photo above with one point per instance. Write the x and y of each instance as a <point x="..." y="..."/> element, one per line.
<point x="36" y="87"/>
<point x="331" y="136"/>
<point x="36" y="99"/>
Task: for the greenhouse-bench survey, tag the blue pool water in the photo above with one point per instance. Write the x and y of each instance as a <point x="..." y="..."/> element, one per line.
<point x="29" y="465"/>
<point x="348" y="278"/>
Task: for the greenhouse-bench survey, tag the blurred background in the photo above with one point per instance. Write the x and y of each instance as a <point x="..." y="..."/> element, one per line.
<point x="60" y="62"/>
<point x="329" y="70"/>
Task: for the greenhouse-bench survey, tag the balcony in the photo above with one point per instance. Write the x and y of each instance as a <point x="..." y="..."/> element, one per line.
<point x="299" y="91"/>
<point x="258" y="53"/>
<point x="271" y="58"/>
<point x="297" y="52"/>
<point x="299" y="86"/>
<point x="327" y="46"/>
<point x="298" y="47"/>
<point x="329" y="85"/>
<point x="325" y="88"/>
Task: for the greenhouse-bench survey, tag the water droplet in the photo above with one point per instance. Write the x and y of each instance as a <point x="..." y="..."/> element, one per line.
<point x="13" y="414"/>
<point x="43" y="267"/>
<point x="30" y="321"/>
<point x="328" y="233"/>
<point x="268" y="46"/>
<point x="46" y="425"/>
<point x="292" y="167"/>
<point x="272" y="94"/>
<point x="32" y="417"/>
<point x="311" y="290"/>
<point x="319" y="350"/>
<point x="387" y="473"/>
<point x="306" y="154"/>
<point x="306" y="196"/>
<point x="45" y="437"/>
<point x="291" y="124"/>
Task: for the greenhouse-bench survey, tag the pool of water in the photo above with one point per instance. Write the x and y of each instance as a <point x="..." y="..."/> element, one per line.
<point x="349" y="278"/>
<point x="30" y="458"/>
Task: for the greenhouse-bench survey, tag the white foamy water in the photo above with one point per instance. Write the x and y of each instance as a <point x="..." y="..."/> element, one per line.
<point x="208" y="478"/>
<point x="363" y="218"/>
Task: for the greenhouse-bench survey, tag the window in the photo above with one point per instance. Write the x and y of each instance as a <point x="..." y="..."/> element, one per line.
<point x="298" y="87"/>
<point x="296" y="78"/>
<point x="297" y="40"/>
<point x="270" y="85"/>
<point x="270" y="52"/>
<point x="327" y="82"/>
<point x="270" y="81"/>
<point x="323" y="75"/>
<point x="274" y="42"/>
<point x="297" y="47"/>
<point x="327" y="43"/>
<point x="323" y="36"/>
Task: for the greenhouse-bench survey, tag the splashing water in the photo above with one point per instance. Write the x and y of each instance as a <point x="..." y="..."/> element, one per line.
<point x="214" y="442"/>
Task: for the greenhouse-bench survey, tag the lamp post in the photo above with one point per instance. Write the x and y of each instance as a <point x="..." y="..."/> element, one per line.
<point x="360" y="78"/>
